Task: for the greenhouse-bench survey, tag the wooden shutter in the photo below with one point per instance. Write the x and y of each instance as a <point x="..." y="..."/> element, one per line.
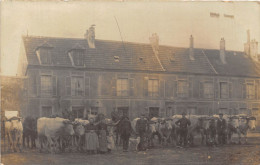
<point x="190" y="83"/>
<point x="258" y="94"/>
<point x="145" y="85"/>
<point x="230" y="89"/>
<point x="87" y="86"/>
<point x="34" y="84"/>
<point x="217" y="88"/>
<point x="113" y="85"/>
<point x="161" y="88"/>
<point x="68" y="86"/>
<point x="54" y="85"/>
<point x="131" y="87"/>
<point x="243" y="89"/>
<point x="38" y="85"/>
<point x="175" y="88"/>
<point x="256" y="91"/>
<point x="201" y="90"/>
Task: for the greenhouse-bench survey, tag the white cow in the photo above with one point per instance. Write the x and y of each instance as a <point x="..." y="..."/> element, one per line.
<point x="240" y="125"/>
<point x="14" y="133"/>
<point x="50" y="130"/>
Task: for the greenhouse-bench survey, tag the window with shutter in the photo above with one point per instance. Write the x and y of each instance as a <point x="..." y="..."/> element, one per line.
<point x="250" y="91"/>
<point x="68" y="86"/>
<point x="183" y="88"/>
<point x="208" y="91"/>
<point x="162" y="86"/>
<point x="122" y="87"/>
<point x="223" y="90"/>
<point x="113" y="84"/>
<point x="153" y="87"/>
<point x="54" y="85"/>
<point x="230" y="89"/>
<point x="46" y="85"/>
<point x="87" y="86"/>
<point x="77" y="86"/>
<point x="32" y="85"/>
<point x="145" y="86"/>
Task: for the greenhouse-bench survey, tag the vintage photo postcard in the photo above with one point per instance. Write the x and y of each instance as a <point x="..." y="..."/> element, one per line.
<point x="130" y="82"/>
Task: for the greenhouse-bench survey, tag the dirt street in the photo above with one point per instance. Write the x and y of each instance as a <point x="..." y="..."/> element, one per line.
<point x="227" y="154"/>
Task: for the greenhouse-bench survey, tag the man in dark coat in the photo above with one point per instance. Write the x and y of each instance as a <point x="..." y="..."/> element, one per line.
<point x="141" y="129"/>
<point x="183" y="123"/>
<point x="125" y="130"/>
<point x="221" y="129"/>
<point x="114" y="115"/>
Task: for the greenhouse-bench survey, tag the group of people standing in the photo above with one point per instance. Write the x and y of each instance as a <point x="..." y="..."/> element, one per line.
<point x="97" y="134"/>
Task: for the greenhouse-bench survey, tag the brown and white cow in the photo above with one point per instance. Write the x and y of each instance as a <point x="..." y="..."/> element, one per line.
<point x="53" y="131"/>
<point x="204" y="126"/>
<point x="240" y="125"/>
<point x="14" y="133"/>
<point x="78" y="138"/>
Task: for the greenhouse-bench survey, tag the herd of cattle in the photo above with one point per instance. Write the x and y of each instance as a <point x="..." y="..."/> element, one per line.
<point x="57" y="134"/>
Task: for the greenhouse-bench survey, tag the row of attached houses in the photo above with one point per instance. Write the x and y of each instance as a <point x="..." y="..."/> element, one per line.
<point x="95" y="76"/>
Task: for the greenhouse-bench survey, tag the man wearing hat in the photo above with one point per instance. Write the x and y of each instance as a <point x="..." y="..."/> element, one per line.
<point x="141" y="128"/>
<point x="221" y="129"/>
<point x="183" y="123"/>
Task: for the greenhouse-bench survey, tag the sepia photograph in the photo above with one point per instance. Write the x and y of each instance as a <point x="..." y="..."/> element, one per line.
<point x="123" y="82"/>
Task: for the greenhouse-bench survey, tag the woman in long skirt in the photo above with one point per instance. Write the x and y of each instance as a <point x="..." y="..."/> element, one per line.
<point x="102" y="135"/>
<point x="91" y="138"/>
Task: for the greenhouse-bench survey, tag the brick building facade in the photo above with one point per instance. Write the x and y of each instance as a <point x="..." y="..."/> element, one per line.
<point x="95" y="76"/>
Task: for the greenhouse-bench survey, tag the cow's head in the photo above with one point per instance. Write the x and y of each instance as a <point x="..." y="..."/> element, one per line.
<point x="251" y="122"/>
<point x="68" y="127"/>
<point x="168" y="124"/>
<point x="152" y="127"/>
<point x="234" y="121"/>
<point x="79" y="129"/>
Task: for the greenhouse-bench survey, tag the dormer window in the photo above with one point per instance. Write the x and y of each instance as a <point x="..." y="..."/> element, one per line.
<point x="43" y="53"/>
<point x="141" y="59"/>
<point x="116" y="58"/>
<point x="77" y="57"/>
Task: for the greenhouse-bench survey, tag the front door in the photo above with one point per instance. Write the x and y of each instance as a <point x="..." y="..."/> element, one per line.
<point x="78" y="112"/>
<point x="123" y="111"/>
<point x="153" y="112"/>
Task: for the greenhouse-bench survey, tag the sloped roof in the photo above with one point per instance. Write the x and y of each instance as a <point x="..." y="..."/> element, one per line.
<point x="101" y="57"/>
<point x="238" y="64"/>
<point x="177" y="60"/>
<point x="140" y="57"/>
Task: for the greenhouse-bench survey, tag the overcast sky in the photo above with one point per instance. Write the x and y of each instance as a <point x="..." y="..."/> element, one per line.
<point x="174" y="22"/>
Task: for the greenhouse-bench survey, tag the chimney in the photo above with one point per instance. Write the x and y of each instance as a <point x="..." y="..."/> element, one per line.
<point x="247" y="44"/>
<point x="154" y="41"/>
<point x="254" y="50"/>
<point x="90" y="36"/>
<point x="222" y="50"/>
<point x="248" y="36"/>
<point x="191" y="51"/>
